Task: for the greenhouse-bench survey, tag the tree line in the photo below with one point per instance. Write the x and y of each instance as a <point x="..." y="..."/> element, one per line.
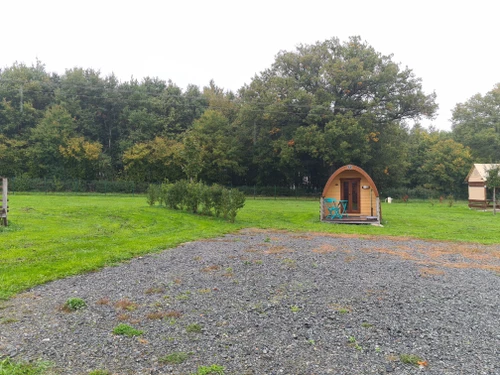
<point x="313" y="110"/>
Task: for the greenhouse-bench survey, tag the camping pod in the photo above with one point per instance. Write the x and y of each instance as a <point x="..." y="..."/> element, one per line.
<point x="351" y="197"/>
<point x="476" y="180"/>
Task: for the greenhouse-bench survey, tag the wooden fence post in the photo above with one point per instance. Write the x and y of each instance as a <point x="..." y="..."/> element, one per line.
<point x="5" y="208"/>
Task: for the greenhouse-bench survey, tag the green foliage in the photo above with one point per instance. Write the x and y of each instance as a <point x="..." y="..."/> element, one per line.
<point x="194" y="328"/>
<point x="234" y="201"/>
<point x="174" y="358"/>
<point x="210" y="370"/>
<point x="410" y="359"/>
<point x="74" y="304"/>
<point x="206" y="199"/>
<point x="153" y="194"/>
<point x="216" y="192"/>
<point x="126" y="330"/>
<point x="11" y="367"/>
<point x="192" y="197"/>
<point x="493" y="177"/>
<point x="100" y="372"/>
<point x="193" y="194"/>
<point x="476" y="124"/>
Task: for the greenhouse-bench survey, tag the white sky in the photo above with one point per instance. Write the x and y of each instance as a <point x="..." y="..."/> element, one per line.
<point x="452" y="45"/>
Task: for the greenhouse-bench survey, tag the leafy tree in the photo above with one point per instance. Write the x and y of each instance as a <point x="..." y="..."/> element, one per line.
<point x="355" y="101"/>
<point x="54" y="130"/>
<point x="476" y="124"/>
<point x="81" y="158"/>
<point x="154" y="161"/>
<point x="493" y="182"/>
<point x="215" y="141"/>
<point x="13" y="156"/>
<point x="445" y="165"/>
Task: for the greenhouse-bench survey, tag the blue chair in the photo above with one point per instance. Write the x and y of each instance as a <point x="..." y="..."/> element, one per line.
<point x="333" y="208"/>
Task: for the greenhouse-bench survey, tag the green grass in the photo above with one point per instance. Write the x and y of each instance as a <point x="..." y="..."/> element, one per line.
<point x="10" y="367"/>
<point x="174" y="358"/>
<point x="54" y="236"/>
<point x="410" y="359"/>
<point x="126" y="330"/>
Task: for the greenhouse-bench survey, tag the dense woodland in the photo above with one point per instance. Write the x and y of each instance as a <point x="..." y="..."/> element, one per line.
<point x="315" y="109"/>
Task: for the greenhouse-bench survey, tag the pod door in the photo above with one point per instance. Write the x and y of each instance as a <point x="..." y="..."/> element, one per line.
<point x="350" y="191"/>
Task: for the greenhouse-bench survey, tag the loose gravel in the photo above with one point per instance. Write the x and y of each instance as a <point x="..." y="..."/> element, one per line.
<point x="261" y="302"/>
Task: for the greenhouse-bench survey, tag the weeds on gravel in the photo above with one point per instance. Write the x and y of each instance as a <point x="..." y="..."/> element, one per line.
<point x="10" y="367"/>
<point x="295" y="308"/>
<point x="73" y="304"/>
<point x="412" y="359"/>
<point x="352" y="341"/>
<point x="103" y="301"/>
<point x="174" y="358"/>
<point x="157" y="315"/>
<point x="155" y="290"/>
<point x="194" y="328"/>
<point x="126" y="304"/>
<point x="126" y="330"/>
<point x="210" y="370"/>
<point x="100" y="372"/>
<point x="173" y="314"/>
<point x="7" y="320"/>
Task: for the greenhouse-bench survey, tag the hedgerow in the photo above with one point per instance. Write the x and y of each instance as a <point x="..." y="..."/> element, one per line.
<point x="197" y="197"/>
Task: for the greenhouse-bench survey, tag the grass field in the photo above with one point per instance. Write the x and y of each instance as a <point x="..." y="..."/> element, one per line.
<point x="53" y="236"/>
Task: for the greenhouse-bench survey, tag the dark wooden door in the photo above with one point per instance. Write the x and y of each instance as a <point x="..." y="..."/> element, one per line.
<point x="351" y="193"/>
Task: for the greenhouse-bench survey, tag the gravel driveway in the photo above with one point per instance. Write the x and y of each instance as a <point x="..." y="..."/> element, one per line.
<point x="261" y="302"/>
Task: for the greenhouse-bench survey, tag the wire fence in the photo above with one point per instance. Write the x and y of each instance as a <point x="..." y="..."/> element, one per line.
<point x="76" y="186"/>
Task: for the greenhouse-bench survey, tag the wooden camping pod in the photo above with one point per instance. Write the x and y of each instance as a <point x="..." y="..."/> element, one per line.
<point x="356" y="195"/>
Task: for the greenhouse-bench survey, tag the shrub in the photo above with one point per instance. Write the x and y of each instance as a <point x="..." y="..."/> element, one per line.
<point x="153" y="194"/>
<point x="216" y="192"/>
<point x="192" y="197"/>
<point x="236" y="202"/>
<point x="206" y="199"/>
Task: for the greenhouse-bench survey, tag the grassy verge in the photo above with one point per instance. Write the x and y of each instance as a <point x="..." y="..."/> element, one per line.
<point x="53" y="236"/>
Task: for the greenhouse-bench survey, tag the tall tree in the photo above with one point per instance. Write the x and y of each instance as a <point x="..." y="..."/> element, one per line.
<point x="476" y="123"/>
<point x="493" y="182"/>
<point x="354" y="99"/>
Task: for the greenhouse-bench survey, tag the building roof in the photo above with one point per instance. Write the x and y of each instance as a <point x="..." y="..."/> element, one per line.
<point x="479" y="172"/>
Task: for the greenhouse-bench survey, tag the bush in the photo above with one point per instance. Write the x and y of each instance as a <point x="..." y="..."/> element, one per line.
<point x="153" y="194"/>
<point x="236" y="202"/>
<point x="173" y="195"/>
<point x="216" y="192"/>
<point x="206" y="199"/>
<point x="190" y="196"/>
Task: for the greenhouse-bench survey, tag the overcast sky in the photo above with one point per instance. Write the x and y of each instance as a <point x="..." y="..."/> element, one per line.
<point x="452" y="46"/>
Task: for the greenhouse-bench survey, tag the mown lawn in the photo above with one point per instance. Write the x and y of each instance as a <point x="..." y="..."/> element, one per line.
<point x="52" y="236"/>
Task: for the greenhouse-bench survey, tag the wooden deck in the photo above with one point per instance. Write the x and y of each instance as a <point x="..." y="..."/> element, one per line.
<point x="482" y="204"/>
<point x="367" y="220"/>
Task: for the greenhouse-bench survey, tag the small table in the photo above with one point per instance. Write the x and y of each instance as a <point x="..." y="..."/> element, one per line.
<point x="342" y="208"/>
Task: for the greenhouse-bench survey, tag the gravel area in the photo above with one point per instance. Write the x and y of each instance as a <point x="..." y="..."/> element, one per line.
<point x="262" y="302"/>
